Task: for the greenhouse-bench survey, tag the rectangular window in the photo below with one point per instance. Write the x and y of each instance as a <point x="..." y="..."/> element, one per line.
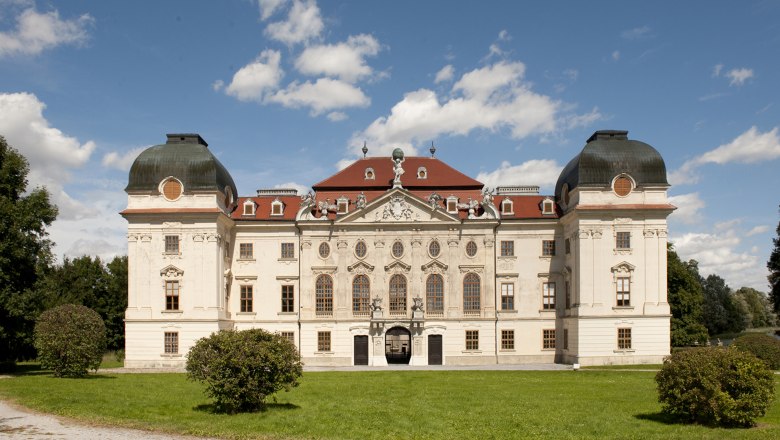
<point x="323" y="341"/>
<point x="472" y="339"/>
<point x="623" y="240"/>
<point x="565" y="339"/>
<point x="171" y="295"/>
<point x="506" y="207"/>
<point x="548" y="248"/>
<point x="548" y="339"/>
<point x="507" y="296"/>
<point x="568" y="295"/>
<point x="171" y="343"/>
<point x="246" y="251"/>
<point x="249" y="208"/>
<point x="172" y="244"/>
<point x="548" y="296"/>
<point x="452" y="206"/>
<point x="343" y="204"/>
<point x="507" y="339"/>
<point x="624" y="338"/>
<point x="568" y="246"/>
<point x="290" y="336"/>
<point x="288" y="250"/>
<point x="247" y="294"/>
<point x="507" y="248"/>
<point x="623" y="292"/>
<point x="288" y="299"/>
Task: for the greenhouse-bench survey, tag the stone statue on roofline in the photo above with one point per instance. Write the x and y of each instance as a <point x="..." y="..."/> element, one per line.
<point x="360" y="203"/>
<point x="398" y="159"/>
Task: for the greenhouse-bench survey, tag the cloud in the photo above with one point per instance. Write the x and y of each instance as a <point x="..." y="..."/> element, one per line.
<point x="739" y="76"/>
<point x="445" y="74"/>
<point x="345" y="61"/>
<point x="303" y="24"/>
<point x="269" y="7"/>
<point x="51" y="153"/>
<point x="718" y="253"/>
<point x="493" y="98"/>
<point x="337" y="116"/>
<point x="636" y="33"/>
<point x="323" y="95"/>
<point x="717" y="69"/>
<point x="504" y="35"/>
<point x="254" y="81"/>
<point x="218" y="85"/>
<point x="757" y="230"/>
<point x="302" y="189"/>
<point x="712" y="96"/>
<point x="750" y="147"/>
<point x="122" y="161"/>
<point x="616" y="55"/>
<point x="542" y="172"/>
<point x="688" y="210"/>
<point x="36" y="32"/>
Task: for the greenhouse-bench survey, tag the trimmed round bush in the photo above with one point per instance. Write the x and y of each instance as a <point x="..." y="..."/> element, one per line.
<point x="763" y="346"/>
<point x="715" y="386"/>
<point x="242" y="368"/>
<point x="70" y="340"/>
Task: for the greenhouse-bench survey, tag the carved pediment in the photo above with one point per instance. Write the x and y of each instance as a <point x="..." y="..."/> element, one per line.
<point x="398" y="266"/>
<point x="171" y="271"/>
<point x="361" y="267"/>
<point x="395" y="207"/>
<point x="434" y="266"/>
<point x="623" y="268"/>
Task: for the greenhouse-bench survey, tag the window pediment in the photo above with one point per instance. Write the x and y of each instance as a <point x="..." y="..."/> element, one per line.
<point x="361" y="267"/>
<point x="434" y="266"/>
<point x="623" y="268"/>
<point x="171" y="271"/>
<point x="398" y="267"/>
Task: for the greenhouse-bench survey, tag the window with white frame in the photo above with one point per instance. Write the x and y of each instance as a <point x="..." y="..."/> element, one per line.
<point x="623" y="240"/>
<point x="471" y="293"/>
<point x="171" y="343"/>
<point x="507" y="296"/>
<point x="247" y="298"/>
<point x="249" y="208"/>
<point x="452" y="205"/>
<point x="277" y="207"/>
<point x="288" y="298"/>
<point x="623" y="291"/>
<point x="548" y="296"/>
<point x="343" y="205"/>
<point x="472" y="339"/>
<point x="288" y="250"/>
<point x="624" y="338"/>
<point x="507" y="248"/>
<point x="369" y="174"/>
<point x="548" y="248"/>
<point x="246" y="251"/>
<point x="422" y="173"/>
<point x="507" y="207"/>
<point x="171" y="295"/>
<point x="323" y="341"/>
<point x="548" y="207"/>
<point x="172" y="244"/>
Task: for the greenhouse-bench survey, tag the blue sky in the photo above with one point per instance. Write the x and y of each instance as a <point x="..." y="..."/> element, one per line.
<point x="287" y="91"/>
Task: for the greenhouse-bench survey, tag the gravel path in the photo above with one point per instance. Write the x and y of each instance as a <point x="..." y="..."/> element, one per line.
<point x="19" y="423"/>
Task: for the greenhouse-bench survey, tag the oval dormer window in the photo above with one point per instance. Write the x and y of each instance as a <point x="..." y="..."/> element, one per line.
<point x="565" y="194"/>
<point x="623" y="185"/>
<point x="171" y="189"/>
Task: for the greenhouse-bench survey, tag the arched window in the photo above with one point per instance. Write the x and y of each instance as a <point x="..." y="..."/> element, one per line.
<point x="324" y="295"/>
<point x="434" y="294"/>
<point x="397" y="294"/>
<point x="471" y="293"/>
<point x="361" y="291"/>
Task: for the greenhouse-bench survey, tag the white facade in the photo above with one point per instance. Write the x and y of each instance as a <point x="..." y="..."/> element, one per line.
<point x="596" y="295"/>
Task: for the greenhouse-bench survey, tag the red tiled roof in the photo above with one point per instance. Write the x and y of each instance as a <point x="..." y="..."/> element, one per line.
<point x="439" y="175"/>
<point x="291" y="205"/>
<point x="525" y="207"/>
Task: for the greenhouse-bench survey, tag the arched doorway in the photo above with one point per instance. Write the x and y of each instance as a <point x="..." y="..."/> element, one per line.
<point x="398" y="345"/>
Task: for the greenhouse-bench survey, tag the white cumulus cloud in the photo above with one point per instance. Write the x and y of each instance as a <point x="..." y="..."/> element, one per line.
<point x="739" y="76"/>
<point x="121" y="161"/>
<point x="255" y="80"/>
<point x="36" y="32"/>
<point x="321" y="96"/>
<point x="689" y="208"/>
<point x="636" y="33"/>
<point x="445" y="74"/>
<point x="346" y="60"/>
<point x="269" y="7"/>
<point x="541" y="172"/>
<point x="303" y="23"/>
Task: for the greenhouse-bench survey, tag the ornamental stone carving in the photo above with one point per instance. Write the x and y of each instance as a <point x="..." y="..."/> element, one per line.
<point x="649" y="233"/>
<point x="171" y="271"/>
<point x="397" y="209"/>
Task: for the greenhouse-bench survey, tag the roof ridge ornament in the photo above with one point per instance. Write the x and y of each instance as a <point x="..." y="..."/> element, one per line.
<point x="432" y="150"/>
<point x="364" y="149"/>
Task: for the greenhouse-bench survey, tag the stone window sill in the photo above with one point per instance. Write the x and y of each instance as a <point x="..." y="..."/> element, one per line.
<point x="472" y="352"/>
<point x="626" y="308"/>
<point x="289" y="314"/>
<point x="172" y="312"/>
<point x="324" y="353"/>
<point x="627" y="350"/>
<point x="171" y="355"/>
<point x="246" y="313"/>
<point x="507" y="350"/>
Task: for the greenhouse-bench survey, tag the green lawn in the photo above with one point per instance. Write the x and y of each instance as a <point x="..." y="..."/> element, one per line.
<point x="385" y="405"/>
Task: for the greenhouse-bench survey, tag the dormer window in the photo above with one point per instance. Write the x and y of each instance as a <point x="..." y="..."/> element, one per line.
<point x="277" y="207"/>
<point x="452" y="205"/>
<point x="249" y="208"/>
<point x="369" y="175"/>
<point x="171" y="188"/>
<point x="548" y="206"/>
<point x="343" y="205"/>
<point x="422" y="173"/>
<point x="507" y="206"/>
<point x="622" y="185"/>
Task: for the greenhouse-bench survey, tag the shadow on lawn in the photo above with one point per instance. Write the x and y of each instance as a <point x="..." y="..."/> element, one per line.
<point x="660" y="417"/>
<point x="212" y="409"/>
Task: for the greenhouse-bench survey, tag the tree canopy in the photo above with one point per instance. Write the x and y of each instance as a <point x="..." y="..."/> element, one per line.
<point x="686" y="299"/>
<point x="24" y="252"/>
<point x="774" y="272"/>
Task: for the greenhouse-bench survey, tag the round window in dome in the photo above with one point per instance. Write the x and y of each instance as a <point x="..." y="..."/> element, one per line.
<point x="324" y="250"/>
<point x="434" y="249"/>
<point x="622" y="186"/>
<point x="471" y="249"/>
<point x="171" y="189"/>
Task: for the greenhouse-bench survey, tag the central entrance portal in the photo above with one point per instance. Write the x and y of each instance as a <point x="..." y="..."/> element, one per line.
<point x="398" y="345"/>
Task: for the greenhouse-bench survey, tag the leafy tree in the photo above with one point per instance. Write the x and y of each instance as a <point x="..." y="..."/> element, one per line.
<point x="715" y="386"/>
<point x="686" y="300"/>
<point x="24" y="253"/>
<point x="762" y="346"/>
<point x="87" y="281"/>
<point x="242" y="368"/>
<point x="720" y="310"/>
<point x="70" y="340"/>
<point x="759" y="310"/>
<point x="774" y="273"/>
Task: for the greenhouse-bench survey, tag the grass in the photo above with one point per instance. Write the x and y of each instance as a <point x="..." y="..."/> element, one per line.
<point x="385" y="405"/>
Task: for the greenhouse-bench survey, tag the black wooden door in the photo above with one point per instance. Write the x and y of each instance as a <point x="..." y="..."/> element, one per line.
<point x="434" y="349"/>
<point x="361" y="350"/>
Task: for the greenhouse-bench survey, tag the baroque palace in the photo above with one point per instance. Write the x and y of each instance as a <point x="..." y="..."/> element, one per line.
<point x="403" y="260"/>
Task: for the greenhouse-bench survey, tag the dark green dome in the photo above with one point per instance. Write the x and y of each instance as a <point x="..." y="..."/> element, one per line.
<point x="185" y="157"/>
<point x="609" y="153"/>
<point x="398" y="154"/>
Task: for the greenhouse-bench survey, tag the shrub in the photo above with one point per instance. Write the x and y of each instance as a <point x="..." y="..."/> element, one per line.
<point x="70" y="340"/>
<point x="715" y="386"/>
<point x="764" y="347"/>
<point x="242" y="368"/>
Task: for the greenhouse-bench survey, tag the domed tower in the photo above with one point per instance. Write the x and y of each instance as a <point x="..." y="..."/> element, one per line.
<point x="179" y="201"/>
<point x="613" y="196"/>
